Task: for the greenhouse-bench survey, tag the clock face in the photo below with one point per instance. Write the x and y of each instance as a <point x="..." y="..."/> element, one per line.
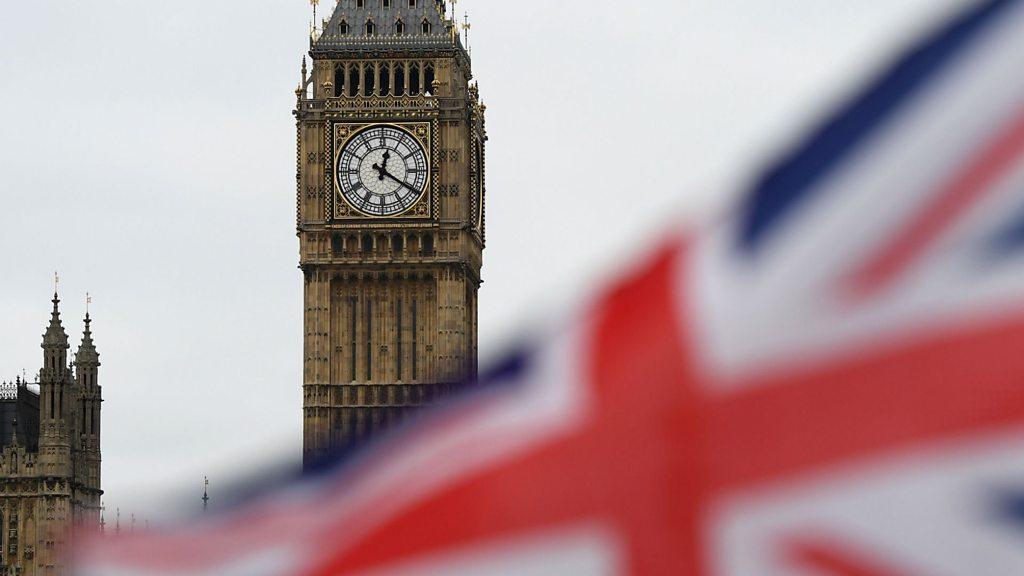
<point x="382" y="171"/>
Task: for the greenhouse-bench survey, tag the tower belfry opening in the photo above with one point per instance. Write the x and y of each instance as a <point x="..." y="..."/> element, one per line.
<point x="389" y="203"/>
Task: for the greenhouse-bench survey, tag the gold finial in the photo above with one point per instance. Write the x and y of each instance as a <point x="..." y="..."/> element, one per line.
<point x="312" y="25"/>
<point x="88" y="301"/>
<point x="454" y="21"/>
<point x="465" y="28"/>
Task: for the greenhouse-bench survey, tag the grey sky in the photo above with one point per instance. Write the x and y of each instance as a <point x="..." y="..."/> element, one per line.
<point x="148" y="153"/>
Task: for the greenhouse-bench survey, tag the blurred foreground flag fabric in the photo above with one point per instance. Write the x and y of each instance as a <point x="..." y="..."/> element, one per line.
<point x="828" y="382"/>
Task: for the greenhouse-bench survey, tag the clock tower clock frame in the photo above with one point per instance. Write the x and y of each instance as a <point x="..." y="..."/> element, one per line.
<point x="391" y="141"/>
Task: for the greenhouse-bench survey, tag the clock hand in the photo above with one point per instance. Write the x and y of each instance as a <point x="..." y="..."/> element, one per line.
<point x="383" y="168"/>
<point x="402" y="182"/>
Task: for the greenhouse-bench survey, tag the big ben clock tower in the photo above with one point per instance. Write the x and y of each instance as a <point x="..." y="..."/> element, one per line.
<point x="390" y="216"/>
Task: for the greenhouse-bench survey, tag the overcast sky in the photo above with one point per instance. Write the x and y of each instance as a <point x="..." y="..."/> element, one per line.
<point x="148" y="154"/>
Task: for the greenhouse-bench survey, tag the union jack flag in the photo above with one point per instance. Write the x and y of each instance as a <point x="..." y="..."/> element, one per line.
<point x="828" y="381"/>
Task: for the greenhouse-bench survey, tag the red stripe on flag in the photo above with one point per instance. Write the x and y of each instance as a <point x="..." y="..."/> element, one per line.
<point x="833" y="560"/>
<point x="967" y="187"/>
<point x="967" y="382"/>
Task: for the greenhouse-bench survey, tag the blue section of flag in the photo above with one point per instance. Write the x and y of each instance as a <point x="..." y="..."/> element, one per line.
<point x="1010" y="238"/>
<point x="793" y="182"/>
<point x="510" y="371"/>
<point x="1010" y="508"/>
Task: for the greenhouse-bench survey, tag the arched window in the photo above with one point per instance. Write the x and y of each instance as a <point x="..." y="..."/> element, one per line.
<point x="385" y="79"/>
<point x="343" y="27"/>
<point x="414" y="79"/>
<point x="428" y="78"/>
<point x="386" y="3"/>
<point x="425" y="26"/>
<point x="339" y="80"/>
<point x="399" y="27"/>
<point x="400" y="79"/>
<point x="353" y="80"/>
<point x="412" y="3"/>
<point x="369" y="80"/>
<point x="371" y="28"/>
<point x="360" y="3"/>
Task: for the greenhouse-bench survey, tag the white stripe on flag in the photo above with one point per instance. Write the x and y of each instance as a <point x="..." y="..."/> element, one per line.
<point x="262" y="562"/>
<point x="589" y="550"/>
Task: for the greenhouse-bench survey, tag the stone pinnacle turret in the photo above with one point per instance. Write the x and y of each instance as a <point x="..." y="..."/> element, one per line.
<point x="55" y="336"/>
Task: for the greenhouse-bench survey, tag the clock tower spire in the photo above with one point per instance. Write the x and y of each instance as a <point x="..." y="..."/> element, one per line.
<point x="391" y="141"/>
